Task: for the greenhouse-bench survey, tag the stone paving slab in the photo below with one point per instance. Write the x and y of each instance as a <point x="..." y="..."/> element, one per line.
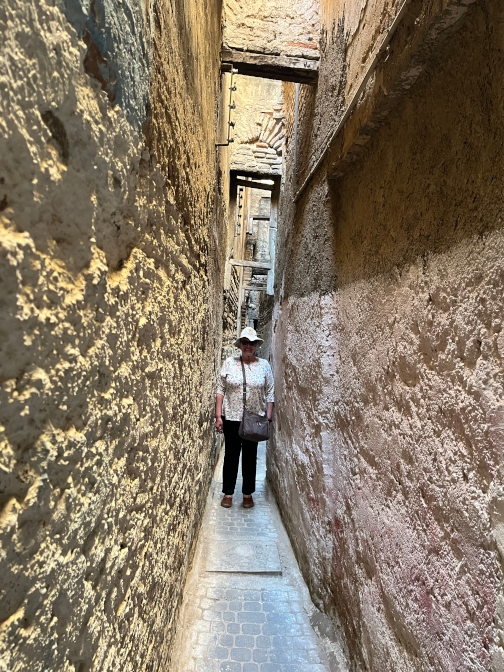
<point x="237" y="620"/>
<point x="242" y="630"/>
<point x="240" y="523"/>
<point x="249" y="557"/>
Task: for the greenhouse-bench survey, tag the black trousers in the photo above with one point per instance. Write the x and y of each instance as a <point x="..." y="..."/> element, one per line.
<point x="234" y="444"/>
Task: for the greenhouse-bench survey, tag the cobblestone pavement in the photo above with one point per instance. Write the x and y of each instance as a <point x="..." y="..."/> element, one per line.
<point x="245" y="621"/>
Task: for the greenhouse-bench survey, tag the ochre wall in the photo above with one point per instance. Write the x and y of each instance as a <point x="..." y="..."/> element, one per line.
<point x="110" y="324"/>
<point x="388" y="356"/>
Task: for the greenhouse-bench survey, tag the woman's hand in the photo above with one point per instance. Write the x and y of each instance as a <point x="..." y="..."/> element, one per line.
<point x="219" y="425"/>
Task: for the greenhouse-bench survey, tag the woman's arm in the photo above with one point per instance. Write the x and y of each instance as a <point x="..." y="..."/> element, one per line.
<point x="221" y="391"/>
<point x="218" y="413"/>
<point x="270" y="392"/>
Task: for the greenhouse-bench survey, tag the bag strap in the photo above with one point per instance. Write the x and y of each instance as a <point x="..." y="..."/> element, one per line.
<point x="244" y="384"/>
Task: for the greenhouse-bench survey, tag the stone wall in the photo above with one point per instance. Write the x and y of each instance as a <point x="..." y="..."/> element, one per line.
<point x="388" y="356"/>
<point x="258" y="133"/>
<point x="110" y="324"/>
<point x="278" y="27"/>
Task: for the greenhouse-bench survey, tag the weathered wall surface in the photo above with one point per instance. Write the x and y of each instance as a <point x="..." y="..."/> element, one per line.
<point x="110" y="322"/>
<point x="264" y="326"/>
<point x="229" y="320"/>
<point x="286" y="28"/>
<point x="373" y="53"/>
<point x="388" y="355"/>
<point x="364" y="24"/>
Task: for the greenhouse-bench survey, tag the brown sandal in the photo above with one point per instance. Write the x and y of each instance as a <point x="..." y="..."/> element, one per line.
<point x="227" y="501"/>
<point x="248" y="502"/>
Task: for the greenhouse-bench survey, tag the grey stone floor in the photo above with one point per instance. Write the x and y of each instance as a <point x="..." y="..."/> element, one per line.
<point x="246" y="607"/>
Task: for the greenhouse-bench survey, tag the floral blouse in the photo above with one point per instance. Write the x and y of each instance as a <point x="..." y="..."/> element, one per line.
<point x="259" y="387"/>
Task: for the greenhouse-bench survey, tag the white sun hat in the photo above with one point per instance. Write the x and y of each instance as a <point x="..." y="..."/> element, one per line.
<point x="252" y="336"/>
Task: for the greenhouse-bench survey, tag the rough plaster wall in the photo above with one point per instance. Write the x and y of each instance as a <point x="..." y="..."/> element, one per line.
<point x="229" y="316"/>
<point x="365" y="24"/>
<point x="110" y="320"/>
<point x="119" y="42"/>
<point x="388" y="357"/>
<point x="354" y="55"/>
<point x="264" y="327"/>
<point x="323" y="104"/>
<point x="280" y="27"/>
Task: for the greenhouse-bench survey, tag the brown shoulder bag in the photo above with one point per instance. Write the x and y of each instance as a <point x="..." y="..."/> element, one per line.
<point x="252" y="427"/>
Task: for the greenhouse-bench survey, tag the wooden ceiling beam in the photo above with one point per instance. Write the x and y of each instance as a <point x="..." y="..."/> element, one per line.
<point x="251" y="264"/>
<point x="283" y="68"/>
<point x="254" y="185"/>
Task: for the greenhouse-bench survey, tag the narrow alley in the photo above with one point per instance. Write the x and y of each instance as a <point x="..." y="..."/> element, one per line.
<point x="246" y="606"/>
<point x="312" y="189"/>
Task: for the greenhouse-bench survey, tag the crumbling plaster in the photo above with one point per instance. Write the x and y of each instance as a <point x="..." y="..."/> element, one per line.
<point x="388" y="360"/>
<point x="110" y="325"/>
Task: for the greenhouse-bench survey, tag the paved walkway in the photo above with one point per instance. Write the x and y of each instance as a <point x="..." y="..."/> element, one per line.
<point x="246" y="607"/>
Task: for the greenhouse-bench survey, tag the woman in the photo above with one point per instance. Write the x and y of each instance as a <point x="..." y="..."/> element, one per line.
<point x="229" y="412"/>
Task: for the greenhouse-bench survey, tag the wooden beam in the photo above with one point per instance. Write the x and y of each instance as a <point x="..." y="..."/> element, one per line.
<point x="254" y="289"/>
<point x="251" y="264"/>
<point x="283" y="68"/>
<point x="236" y="173"/>
<point x="254" y="185"/>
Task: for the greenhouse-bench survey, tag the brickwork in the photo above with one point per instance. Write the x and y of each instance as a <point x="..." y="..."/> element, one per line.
<point x="258" y="134"/>
<point x="280" y="27"/>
